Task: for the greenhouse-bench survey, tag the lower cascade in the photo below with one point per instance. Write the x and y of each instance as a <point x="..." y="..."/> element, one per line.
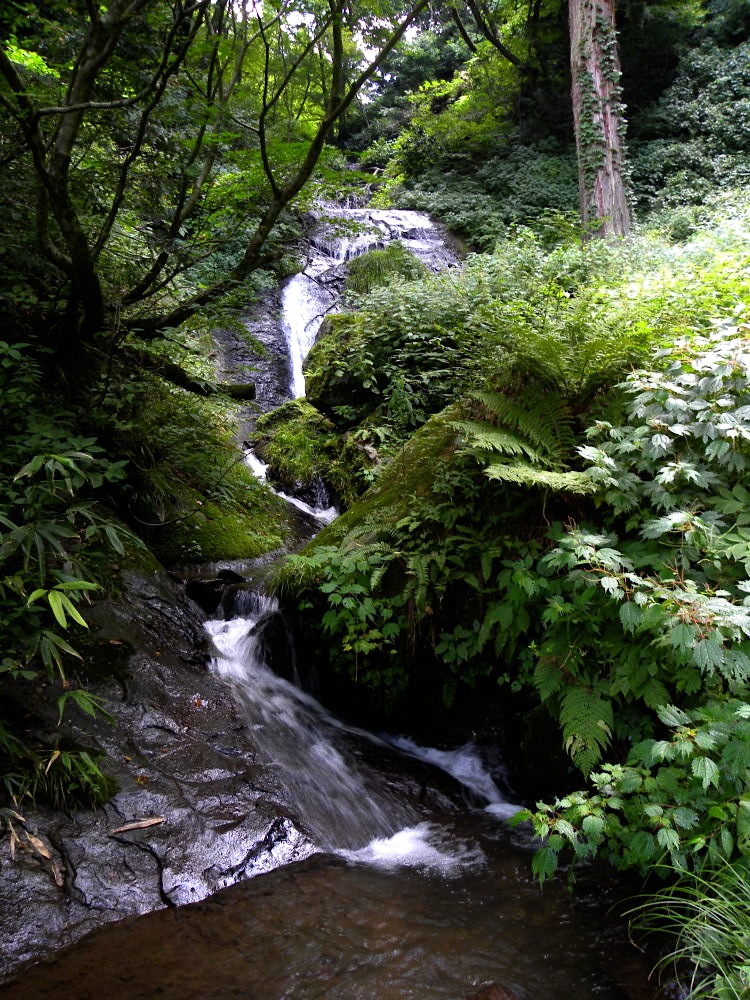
<point x="347" y="807"/>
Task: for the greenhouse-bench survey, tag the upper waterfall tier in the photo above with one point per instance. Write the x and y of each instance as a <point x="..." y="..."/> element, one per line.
<point x="339" y="235"/>
<point x="344" y="233"/>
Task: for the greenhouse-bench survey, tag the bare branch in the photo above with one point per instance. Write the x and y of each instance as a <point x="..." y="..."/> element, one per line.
<point x="256" y="255"/>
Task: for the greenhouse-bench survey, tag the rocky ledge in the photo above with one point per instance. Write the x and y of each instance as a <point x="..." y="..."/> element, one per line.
<point x="193" y="811"/>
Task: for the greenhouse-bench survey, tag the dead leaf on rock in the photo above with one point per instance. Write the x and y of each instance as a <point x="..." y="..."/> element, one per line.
<point x="39" y="846"/>
<point x="139" y="824"/>
<point x="57" y="875"/>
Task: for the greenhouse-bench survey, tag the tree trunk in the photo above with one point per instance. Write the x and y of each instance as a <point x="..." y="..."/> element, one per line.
<point x="598" y="117"/>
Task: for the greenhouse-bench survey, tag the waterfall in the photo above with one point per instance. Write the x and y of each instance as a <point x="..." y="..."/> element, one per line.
<point x="339" y="236"/>
<point x="347" y="807"/>
<point x="304" y="304"/>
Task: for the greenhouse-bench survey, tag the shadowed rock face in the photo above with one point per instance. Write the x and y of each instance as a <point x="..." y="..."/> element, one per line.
<point x="181" y="758"/>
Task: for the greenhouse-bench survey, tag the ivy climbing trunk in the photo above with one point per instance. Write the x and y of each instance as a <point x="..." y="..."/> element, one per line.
<point x="598" y="116"/>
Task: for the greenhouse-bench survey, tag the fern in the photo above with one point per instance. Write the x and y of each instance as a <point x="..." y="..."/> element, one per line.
<point x="486" y="438"/>
<point x="580" y="360"/>
<point x="529" y="475"/>
<point x="586" y="719"/>
<point x="530" y="443"/>
<point x="545" y="421"/>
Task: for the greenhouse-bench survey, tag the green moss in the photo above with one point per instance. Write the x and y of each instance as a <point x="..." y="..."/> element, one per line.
<point x="213" y="531"/>
<point x="411" y="473"/>
<point x="300" y="444"/>
<point x="294" y="440"/>
<point x="381" y="267"/>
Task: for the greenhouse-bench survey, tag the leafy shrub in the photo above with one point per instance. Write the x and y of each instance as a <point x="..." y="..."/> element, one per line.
<point x="655" y="609"/>
<point x="51" y="522"/>
<point x="696" y="138"/>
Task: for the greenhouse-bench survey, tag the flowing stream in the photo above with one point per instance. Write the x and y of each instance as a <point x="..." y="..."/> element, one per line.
<point x="405" y="897"/>
<point x="416" y="888"/>
<point x="404" y="900"/>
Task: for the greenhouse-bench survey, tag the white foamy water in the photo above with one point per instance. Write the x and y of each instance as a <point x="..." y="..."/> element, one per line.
<point x="348" y="807"/>
<point x="340" y="803"/>
<point x="323" y="515"/>
<point x="259" y="469"/>
<point x="425" y="845"/>
<point x="466" y="766"/>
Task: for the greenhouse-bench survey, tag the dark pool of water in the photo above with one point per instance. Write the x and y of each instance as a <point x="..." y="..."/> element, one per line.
<point x="325" y="928"/>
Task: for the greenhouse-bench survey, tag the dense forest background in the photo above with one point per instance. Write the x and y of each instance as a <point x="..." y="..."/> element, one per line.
<point x="542" y="454"/>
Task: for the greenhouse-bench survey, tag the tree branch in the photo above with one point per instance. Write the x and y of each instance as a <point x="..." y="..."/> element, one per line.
<point x="255" y="254"/>
<point x="462" y="30"/>
<point x="176" y="375"/>
<point x="492" y="36"/>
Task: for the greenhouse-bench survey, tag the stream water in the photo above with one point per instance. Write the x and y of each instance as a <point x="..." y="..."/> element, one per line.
<point x="413" y="894"/>
<point x="405" y="899"/>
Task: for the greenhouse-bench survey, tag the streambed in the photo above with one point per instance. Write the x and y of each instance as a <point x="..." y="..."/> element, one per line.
<point x="403" y="899"/>
<point x="325" y="928"/>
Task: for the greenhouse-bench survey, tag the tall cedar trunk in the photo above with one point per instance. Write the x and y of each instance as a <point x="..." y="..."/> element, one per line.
<point x="598" y="117"/>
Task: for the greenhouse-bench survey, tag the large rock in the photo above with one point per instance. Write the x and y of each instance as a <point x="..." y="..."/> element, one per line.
<point x="202" y="813"/>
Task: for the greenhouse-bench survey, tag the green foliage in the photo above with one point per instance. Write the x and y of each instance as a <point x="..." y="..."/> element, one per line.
<point x="529" y="441"/>
<point x="52" y="526"/>
<point x="398" y="357"/>
<point x="696" y="138"/>
<point x="610" y="603"/>
<point x="381" y="267"/>
<point x="534" y="186"/>
<point x="681" y="800"/>
<point x="705" y="913"/>
<point x="359" y="619"/>
<point x="662" y="609"/>
<point x="49" y="517"/>
<point x="299" y="445"/>
<point x="571" y="319"/>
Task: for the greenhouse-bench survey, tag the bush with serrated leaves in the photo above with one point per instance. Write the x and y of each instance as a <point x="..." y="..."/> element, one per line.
<point x="652" y="609"/>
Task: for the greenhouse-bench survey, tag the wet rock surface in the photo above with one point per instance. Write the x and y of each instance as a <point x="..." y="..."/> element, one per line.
<point x="202" y="814"/>
<point x="195" y="810"/>
<point x="256" y="352"/>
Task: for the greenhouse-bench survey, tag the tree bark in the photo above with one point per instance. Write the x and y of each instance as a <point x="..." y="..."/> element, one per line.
<point x="598" y="118"/>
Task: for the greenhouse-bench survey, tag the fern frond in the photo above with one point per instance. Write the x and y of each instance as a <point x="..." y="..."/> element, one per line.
<point x="544" y="420"/>
<point x="579" y="361"/>
<point x="530" y="475"/>
<point x="586" y="720"/>
<point x="548" y="676"/>
<point x="485" y="437"/>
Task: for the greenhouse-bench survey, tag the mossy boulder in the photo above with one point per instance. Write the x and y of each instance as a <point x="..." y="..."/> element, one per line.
<point x="302" y="448"/>
<point x="339" y="380"/>
<point x="204" y="529"/>
<point x="381" y="266"/>
<point x="411" y="473"/>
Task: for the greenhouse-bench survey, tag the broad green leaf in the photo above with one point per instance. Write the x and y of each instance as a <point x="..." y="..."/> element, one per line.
<point x="705" y="769"/>
<point x="544" y="863"/>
